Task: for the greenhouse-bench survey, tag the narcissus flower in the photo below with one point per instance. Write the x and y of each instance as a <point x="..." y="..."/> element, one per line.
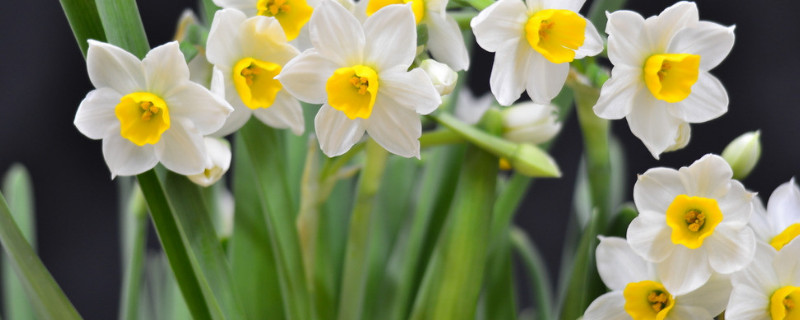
<point x="779" y="224"/>
<point x="692" y="222"/>
<point x="769" y="288"/>
<point x="250" y="52"/>
<point x="147" y="111"/>
<point x="360" y="75"/>
<point x="445" y="41"/>
<point x="638" y="293"/>
<point x="534" y="40"/>
<point x="660" y="79"/>
<point x="291" y="14"/>
<point x="219" y="161"/>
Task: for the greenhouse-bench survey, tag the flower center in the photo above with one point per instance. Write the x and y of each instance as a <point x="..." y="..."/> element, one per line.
<point x="352" y="90"/>
<point x="143" y="117"/>
<point x="255" y="82"/>
<point x="692" y="219"/>
<point x="647" y="300"/>
<point x="785" y="304"/>
<point x="670" y="76"/>
<point x="291" y="14"/>
<point x="556" y="34"/>
<point x="786" y="236"/>
<point x="417" y="6"/>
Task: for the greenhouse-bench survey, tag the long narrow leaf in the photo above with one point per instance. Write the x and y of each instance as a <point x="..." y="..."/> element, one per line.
<point x="84" y="21"/>
<point x="265" y="147"/>
<point x="583" y="285"/>
<point x="17" y="187"/>
<point x="194" y="221"/>
<point x="134" y="238"/>
<point x="123" y="25"/>
<point x="537" y="273"/>
<point x="47" y="298"/>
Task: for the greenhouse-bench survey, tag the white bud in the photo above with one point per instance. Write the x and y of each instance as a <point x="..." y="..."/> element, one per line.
<point x="743" y="153"/>
<point x="443" y="77"/>
<point x="217" y="163"/>
<point x="684" y="134"/>
<point x="530" y="122"/>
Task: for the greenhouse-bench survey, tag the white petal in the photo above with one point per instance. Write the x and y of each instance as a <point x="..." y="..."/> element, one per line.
<point x="746" y="303"/>
<point x="626" y="39"/>
<point x="336" y="34"/>
<point x="123" y="157"/>
<point x="264" y="39"/>
<point x="618" y="264"/>
<point x="649" y="235"/>
<point x="165" y="69"/>
<point x="500" y="23"/>
<point x="730" y="250"/>
<point x="335" y="131"/>
<point x="182" y="149"/>
<point x="395" y="129"/>
<point x="571" y="5"/>
<point x="235" y="120"/>
<point x="783" y="208"/>
<point x="223" y="47"/>
<point x="711" y="41"/>
<point x="708" y="100"/>
<point x="610" y="306"/>
<point x="391" y="37"/>
<point x="470" y="109"/>
<point x="759" y="222"/>
<point x="236" y="4"/>
<point x="110" y="66"/>
<point x="411" y="90"/>
<point x="656" y="189"/>
<point x="684" y="270"/>
<point x="285" y="113"/>
<point x="759" y="275"/>
<point x="681" y="312"/>
<point x="616" y="96"/>
<point x="305" y="76"/>
<point x="650" y="121"/>
<point x="787" y="264"/>
<point x="96" y="115"/>
<point x="446" y="42"/>
<point x="708" y="177"/>
<point x="592" y="42"/>
<point x="508" y="77"/>
<point x="712" y="296"/>
<point x="736" y="206"/>
<point x="663" y="28"/>
<point x="545" y="79"/>
<point x="205" y="110"/>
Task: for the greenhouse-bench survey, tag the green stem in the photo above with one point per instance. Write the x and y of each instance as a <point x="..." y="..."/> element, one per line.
<point x="480" y="4"/>
<point x="355" y="265"/>
<point x="440" y="137"/>
<point x="135" y="220"/>
<point x="534" y="265"/>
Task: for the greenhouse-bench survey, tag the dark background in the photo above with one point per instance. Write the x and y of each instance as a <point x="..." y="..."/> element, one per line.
<point x="44" y="79"/>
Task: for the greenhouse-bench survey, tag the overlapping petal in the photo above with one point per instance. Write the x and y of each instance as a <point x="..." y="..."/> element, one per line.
<point x="109" y="66"/>
<point x="95" y="114"/>
<point x="305" y="76"/>
<point x="285" y="113"/>
<point x="336" y="133"/>
<point x="649" y="236"/>
<point x="182" y="149"/>
<point x="506" y="81"/>
<point x="395" y="129"/>
<point x="651" y="122"/>
<point x="619" y="265"/>
<point x="610" y="306"/>
<point x="446" y="42"/>
<point x="412" y="90"/>
<point x="391" y="37"/>
<point x="684" y="270"/>
<point x="656" y="189"/>
<point x="336" y="34"/>
<point x="124" y="158"/>
<point x="165" y="68"/>
<point x="500" y="23"/>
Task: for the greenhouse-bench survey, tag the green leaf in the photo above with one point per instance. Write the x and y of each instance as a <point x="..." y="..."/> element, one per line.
<point x="619" y="225"/>
<point x="123" y="25"/>
<point x="584" y="282"/>
<point x="177" y="251"/>
<point x="499" y="295"/>
<point x="17" y="188"/>
<point x="454" y="276"/>
<point x="537" y="273"/>
<point x="253" y="263"/>
<point x="46" y="297"/>
<point x="265" y="150"/>
<point x="208" y="258"/>
<point x="84" y="21"/>
<point x="208" y="9"/>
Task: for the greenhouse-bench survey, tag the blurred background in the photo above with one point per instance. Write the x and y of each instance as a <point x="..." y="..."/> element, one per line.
<point x="43" y="79"/>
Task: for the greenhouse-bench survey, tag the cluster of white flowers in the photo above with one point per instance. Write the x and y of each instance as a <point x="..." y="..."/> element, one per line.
<point x="692" y="252"/>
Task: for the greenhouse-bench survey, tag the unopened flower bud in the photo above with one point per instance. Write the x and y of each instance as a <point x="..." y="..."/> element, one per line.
<point x="443" y="77"/>
<point x="743" y="153"/>
<point x="218" y="162"/>
<point x="529" y="122"/>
